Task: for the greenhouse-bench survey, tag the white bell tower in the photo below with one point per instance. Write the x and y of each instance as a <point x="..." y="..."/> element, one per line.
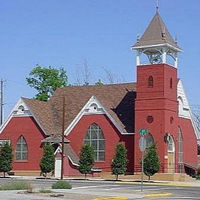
<point x="157" y="44"/>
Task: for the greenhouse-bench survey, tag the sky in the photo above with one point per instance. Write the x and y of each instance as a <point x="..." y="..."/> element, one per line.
<point x="64" y="33"/>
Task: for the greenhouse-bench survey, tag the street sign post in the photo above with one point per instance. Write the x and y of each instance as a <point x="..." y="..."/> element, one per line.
<point x="142" y="146"/>
<point x="142" y="143"/>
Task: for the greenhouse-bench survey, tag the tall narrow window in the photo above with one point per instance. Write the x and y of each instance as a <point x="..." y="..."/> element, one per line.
<point x="171" y="83"/>
<point x="150" y="81"/>
<point x="95" y="138"/>
<point x="22" y="150"/>
<point x="171" y="147"/>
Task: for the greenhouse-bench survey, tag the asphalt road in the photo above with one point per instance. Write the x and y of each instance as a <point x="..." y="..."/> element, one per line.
<point x="94" y="189"/>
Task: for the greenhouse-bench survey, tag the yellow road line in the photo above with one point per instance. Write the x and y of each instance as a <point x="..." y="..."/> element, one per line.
<point x="158" y="195"/>
<point x="111" y="198"/>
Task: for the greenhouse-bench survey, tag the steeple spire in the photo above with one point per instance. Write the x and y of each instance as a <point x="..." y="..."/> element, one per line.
<point x="157" y="5"/>
<point x="156" y="42"/>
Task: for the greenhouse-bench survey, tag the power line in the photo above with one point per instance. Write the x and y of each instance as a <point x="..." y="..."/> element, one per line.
<point x="1" y="103"/>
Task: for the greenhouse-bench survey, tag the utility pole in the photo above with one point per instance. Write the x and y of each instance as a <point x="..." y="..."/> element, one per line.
<point x="63" y="135"/>
<point x="1" y="103"/>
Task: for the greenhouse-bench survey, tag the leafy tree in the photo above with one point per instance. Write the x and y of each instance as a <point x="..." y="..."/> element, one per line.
<point x="6" y="158"/>
<point x="47" y="162"/>
<point x="86" y="160"/>
<point x="46" y="80"/>
<point x="151" y="161"/>
<point x="120" y="160"/>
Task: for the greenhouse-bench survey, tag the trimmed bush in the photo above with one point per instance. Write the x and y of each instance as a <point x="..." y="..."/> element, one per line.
<point x="47" y="163"/>
<point x="61" y="184"/>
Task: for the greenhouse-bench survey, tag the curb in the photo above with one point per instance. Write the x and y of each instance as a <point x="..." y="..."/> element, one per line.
<point x="162" y="183"/>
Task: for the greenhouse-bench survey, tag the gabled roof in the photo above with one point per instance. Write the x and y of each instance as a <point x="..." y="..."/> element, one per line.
<point x="68" y="151"/>
<point x="41" y="111"/>
<point x="117" y="100"/>
<point x="156" y="34"/>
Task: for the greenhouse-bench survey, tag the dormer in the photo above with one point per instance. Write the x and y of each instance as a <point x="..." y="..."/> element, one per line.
<point x="94" y="107"/>
<point x="157" y="45"/>
<point x="21" y="109"/>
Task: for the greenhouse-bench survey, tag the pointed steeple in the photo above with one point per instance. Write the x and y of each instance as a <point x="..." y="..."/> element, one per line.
<point x="157" y="43"/>
<point x="156" y="34"/>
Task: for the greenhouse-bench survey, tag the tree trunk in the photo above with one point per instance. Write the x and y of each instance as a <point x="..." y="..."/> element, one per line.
<point x="149" y="177"/>
<point x="4" y="174"/>
<point x="117" y="175"/>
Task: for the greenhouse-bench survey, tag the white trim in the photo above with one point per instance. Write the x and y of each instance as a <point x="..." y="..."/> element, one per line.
<point x="87" y="111"/>
<point x="58" y="150"/>
<point x="138" y="58"/>
<point x="125" y="133"/>
<point x="183" y="102"/>
<point x="14" y="113"/>
<point x="19" y="102"/>
<point x="186" y="111"/>
<point x="157" y="45"/>
<point x="72" y="161"/>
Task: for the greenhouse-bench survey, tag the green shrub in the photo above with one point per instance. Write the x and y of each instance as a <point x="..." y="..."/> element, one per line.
<point x="198" y="173"/>
<point x="19" y="185"/>
<point x="61" y="184"/>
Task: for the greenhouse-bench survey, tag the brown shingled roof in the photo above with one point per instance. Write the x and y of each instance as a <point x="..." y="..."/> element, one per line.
<point x="42" y="113"/>
<point x="117" y="99"/>
<point x="156" y="34"/>
<point x="56" y="138"/>
<point x="68" y="151"/>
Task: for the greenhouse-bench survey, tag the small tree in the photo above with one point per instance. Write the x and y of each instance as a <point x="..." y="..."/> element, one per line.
<point x="198" y="173"/>
<point x="86" y="160"/>
<point x="47" y="162"/>
<point x="151" y="161"/>
<point x="120" y="160"/>
<point x="6" y="158"/>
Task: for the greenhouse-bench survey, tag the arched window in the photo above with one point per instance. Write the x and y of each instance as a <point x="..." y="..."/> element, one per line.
<point x="171" y="147"/>
<point x="171" y="83"/>
<point x="95" y="138"/>
<point x="22" y="150"/>
<point x="149" y="140"/>
<point x="150" y="81"/>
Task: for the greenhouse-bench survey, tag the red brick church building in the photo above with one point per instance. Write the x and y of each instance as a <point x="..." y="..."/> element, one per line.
<point x="105" y="115"/>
